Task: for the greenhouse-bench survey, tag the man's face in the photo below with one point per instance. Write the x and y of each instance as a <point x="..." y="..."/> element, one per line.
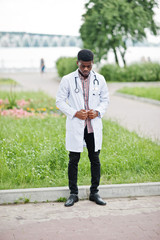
<point x="85" y="67"/>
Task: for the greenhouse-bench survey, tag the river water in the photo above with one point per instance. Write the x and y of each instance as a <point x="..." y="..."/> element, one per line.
<point x="28" y="59"/>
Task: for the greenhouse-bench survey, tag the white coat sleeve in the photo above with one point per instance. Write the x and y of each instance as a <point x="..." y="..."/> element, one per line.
<point x="61" y="99"/>
<point x="104" y="99"/>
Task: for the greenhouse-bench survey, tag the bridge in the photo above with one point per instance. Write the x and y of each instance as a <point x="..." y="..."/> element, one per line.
<point x="24" y="39"/>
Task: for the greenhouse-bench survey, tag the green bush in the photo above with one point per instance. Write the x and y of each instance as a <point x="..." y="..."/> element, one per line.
<point x="112" y="72"/>
<point x="133" y="73"/>
<point x="66" y="65"/>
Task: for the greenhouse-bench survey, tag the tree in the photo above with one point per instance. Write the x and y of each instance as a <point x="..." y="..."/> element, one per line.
<point x="109" y="24"/>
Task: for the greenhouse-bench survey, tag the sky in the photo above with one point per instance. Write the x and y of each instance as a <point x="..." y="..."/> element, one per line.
<point x="42" y="16"/>
<point x="62" y="17"/>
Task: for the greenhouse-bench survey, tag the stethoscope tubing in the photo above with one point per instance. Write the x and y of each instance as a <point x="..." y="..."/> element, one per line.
<point x="94" y="82"/>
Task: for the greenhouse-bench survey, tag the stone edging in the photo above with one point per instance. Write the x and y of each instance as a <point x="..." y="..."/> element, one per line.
<point x="106" y="191"/>
<point x="147" y="100"/>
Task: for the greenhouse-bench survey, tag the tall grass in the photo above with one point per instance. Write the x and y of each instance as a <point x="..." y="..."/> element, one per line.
<point x="32" y="154"/>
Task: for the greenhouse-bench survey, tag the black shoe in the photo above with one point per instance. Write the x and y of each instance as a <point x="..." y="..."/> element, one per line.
<point x="71" y="200"/>
<point x="97" y="199"/>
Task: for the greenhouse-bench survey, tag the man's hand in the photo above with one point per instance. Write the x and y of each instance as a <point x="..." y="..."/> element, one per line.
<point x="82" y="114"/>
<point x="92" y="114"/>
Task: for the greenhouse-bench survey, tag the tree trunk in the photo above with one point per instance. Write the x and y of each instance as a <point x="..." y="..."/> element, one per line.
<point x="123" y="57"/>
<point x="116" y="57"/>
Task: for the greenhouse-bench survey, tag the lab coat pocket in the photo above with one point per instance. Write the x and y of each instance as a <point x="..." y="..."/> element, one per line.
<point x="97" y="123"/>
<point x="74" y="124"/>
<point x="96" y="98"/>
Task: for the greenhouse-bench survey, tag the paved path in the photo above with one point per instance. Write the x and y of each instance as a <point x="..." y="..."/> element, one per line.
<point x="121" y="219"/>
<point x="136" y="116"/>
<point x="142" y="117"/>
<point x="47" y="82"/>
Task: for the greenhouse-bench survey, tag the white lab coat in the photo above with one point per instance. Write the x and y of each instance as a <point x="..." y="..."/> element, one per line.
<point x="69" y="102"/>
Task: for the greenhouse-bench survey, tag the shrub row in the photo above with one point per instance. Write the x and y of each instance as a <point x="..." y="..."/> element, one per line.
<point x="66" y="65"/>
<point x="132" y="73"/>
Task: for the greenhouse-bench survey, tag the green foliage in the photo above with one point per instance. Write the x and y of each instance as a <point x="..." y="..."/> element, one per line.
<point x="66" y="65"/>
<point x="26" y="200"/>
<point x="143" y="72"/>
<point x="133" y="73"/>
<point x="7" y="81"/>
<point x="150" y="92"/>
<point x="61" y="199"/>
<point x="12" y="100"/>
<point x="112" y="72"/>
<point x="108" y="24"/>
<point x="22" y="200"/>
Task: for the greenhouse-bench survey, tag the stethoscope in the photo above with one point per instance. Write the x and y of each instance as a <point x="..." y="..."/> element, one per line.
<point x="95" y="82"/>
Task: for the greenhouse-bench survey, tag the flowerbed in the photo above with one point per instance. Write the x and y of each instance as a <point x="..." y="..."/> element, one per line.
<point x="16" y="113"/>
<point x="27" y="108"/>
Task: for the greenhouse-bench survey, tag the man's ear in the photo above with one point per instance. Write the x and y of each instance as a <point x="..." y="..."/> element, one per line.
<point x="78" y="63"/>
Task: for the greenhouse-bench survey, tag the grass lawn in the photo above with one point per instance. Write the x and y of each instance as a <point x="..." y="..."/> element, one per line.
<point x="7" y="81"/>
<point x="32" y="153"/>
<point x="149" y="92"/>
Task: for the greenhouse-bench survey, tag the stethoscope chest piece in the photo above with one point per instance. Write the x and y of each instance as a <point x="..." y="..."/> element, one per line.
<point x="76" y="90"/>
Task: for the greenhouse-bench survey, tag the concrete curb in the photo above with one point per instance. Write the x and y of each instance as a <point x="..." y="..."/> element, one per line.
<point x="106" y="191"/>
<point x="141" y="99"/>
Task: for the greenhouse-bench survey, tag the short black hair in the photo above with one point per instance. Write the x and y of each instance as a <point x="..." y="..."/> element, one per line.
<point x="85" y="55"/>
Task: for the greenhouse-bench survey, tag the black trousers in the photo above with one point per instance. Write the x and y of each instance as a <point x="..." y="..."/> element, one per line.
<point x="95" y="165"/>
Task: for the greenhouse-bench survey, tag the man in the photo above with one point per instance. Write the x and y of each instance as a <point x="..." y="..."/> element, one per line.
<point x="83" y="98"/>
